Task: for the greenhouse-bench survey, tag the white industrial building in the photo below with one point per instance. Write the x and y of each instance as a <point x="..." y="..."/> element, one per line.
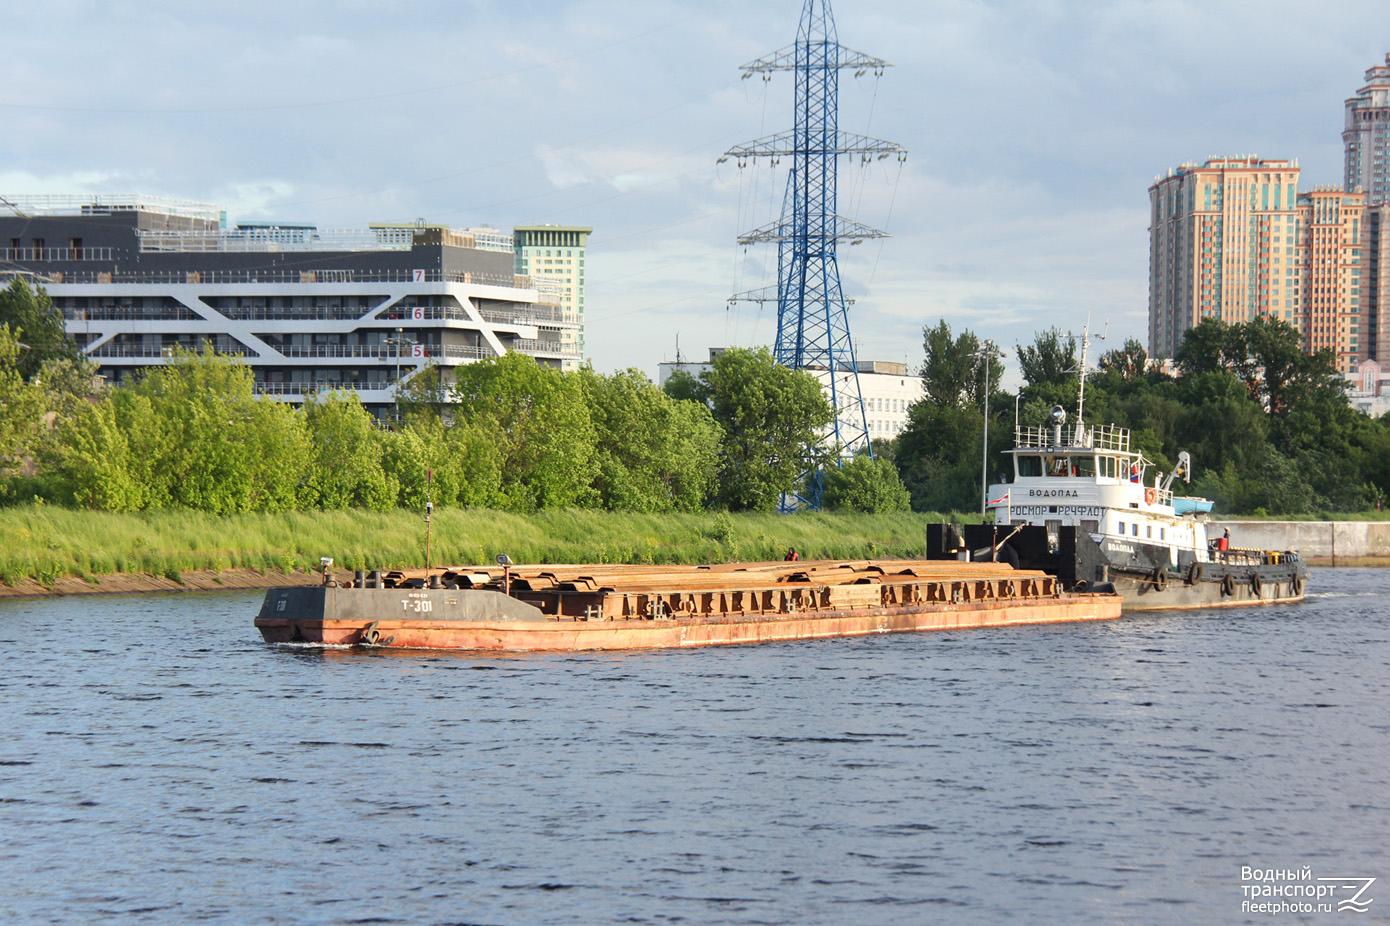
<point x="888" y="389"/>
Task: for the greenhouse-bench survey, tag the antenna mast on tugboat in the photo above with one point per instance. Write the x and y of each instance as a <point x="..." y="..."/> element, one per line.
<point x="1081" y="367"/>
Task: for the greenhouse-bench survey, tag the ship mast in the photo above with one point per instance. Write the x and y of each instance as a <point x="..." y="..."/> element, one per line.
<point x="1081" y="367"/>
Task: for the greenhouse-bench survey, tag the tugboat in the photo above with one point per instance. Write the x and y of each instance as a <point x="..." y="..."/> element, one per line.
<point x="1084" y="507"/>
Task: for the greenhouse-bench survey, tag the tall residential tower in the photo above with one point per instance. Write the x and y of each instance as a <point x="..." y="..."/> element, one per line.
<point x="1332" y="238"/>
<point x="1367" y="137"/>
<point x="1367" y="140"/>
<point x="1222" y="243"/>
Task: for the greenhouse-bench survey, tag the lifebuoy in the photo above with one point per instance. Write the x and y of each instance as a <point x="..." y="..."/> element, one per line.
<point x="1194" y="573"/>
<point x="1228" y="584"/>
<point x="1150" y="495"/>
<point x="1255" y="584"/>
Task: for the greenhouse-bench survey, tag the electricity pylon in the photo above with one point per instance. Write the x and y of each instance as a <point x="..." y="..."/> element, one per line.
<point x="812" y="318"/>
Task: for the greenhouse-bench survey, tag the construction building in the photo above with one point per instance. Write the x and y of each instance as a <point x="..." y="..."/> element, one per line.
<point x="308" y="309"/>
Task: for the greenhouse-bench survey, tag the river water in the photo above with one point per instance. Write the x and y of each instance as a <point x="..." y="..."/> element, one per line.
<point x="162" y="765"/>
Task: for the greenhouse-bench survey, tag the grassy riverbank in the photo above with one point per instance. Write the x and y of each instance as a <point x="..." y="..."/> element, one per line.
<point x="44" y="543"/>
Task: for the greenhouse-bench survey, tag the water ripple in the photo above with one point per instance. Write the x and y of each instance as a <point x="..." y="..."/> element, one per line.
<point x="165" y="766"/>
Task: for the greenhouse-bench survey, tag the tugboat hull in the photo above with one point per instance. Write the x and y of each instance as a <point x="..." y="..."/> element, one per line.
<point x="1143" y="575"/>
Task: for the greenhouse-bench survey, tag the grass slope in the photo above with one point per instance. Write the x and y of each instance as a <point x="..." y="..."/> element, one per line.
<point x="43" y="542"/>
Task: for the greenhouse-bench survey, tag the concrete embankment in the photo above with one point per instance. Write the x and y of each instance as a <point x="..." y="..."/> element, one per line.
<point x="1349" y="543"/>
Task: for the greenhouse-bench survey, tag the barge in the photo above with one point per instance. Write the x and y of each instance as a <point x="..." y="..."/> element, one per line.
<point x="594" y="607"/>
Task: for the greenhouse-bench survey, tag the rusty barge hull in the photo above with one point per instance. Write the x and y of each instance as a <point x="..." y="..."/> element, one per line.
<point x="575" y="608"/>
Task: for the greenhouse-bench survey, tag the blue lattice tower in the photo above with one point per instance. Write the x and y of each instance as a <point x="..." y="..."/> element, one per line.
<point x="812" y="316"/>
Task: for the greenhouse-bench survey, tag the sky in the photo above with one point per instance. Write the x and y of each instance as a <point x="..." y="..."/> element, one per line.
<point x="1034" y="129"/>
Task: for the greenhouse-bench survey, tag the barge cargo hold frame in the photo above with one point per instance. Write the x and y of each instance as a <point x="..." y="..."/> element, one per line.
<point x="564" y="609"/>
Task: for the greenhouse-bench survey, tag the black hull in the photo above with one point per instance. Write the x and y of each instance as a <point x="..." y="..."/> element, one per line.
<point x="1142" y="594"/>
<point x="1144" y="577"/>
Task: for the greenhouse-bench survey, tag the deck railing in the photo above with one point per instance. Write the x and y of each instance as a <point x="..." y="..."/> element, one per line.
<point x="1089" y="437"/>
<point x="279" y="277"/>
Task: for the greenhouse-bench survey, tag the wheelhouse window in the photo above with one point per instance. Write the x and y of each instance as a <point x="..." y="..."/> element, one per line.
<point x="1030" y="466"/>
<point x="1084" y="466"/>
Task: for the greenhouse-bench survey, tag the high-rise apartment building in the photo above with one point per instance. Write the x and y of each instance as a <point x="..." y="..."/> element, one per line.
<point x="1335" y="312"/>
<point x="1367" y="137"/>
<point x="552" y="256"/>
<point x="1376" y="295"/>
<point x="1222" y="243"/>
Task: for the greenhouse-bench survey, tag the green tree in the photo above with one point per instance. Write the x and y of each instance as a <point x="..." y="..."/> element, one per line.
<point x="31" y="317"/>
<point x="952" y="374"/>
<point x="21" y="403"/>
<point x="90" y="463"/>
<point x="220" y="447"/>
<point x="540" y="424"/>
<point x="772" y="418"/>
<point x="1130" y="363"/>
<point x="423" y="393"/>
<point x="466" y="463"/>
<point x="654" y="453"/>
<point x="1270" y="483"/>
<point x="1210" y="347"/>
<point x="189" y="434"/>
<point x="681" y="386"/>
<point x="345" y="459"/>
<point x="939" y="455"/>
<point x="865" y="484"/>
<point x="405" y="461"/>
<point x="1051" y="359"/>
<point x="68" y="384"/>
<point x="1221" y="424"/>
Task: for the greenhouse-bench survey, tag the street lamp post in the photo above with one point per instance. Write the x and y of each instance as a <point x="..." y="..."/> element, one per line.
<point x="400" y="339"/>
<point x="985" y="354"/>
<point x="398" y="342"/>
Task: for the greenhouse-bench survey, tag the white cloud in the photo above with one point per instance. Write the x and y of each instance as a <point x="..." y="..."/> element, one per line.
<point x="1034" y="129"/>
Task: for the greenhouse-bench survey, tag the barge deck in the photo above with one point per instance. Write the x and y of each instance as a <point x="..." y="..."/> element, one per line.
<point x="606" y="607"/>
